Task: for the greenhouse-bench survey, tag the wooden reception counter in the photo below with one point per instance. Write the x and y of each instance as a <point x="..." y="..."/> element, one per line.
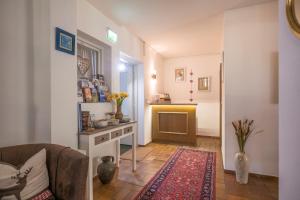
<point x="174" y="123"/>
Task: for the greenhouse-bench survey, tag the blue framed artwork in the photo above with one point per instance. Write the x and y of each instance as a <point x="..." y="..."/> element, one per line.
<point x="64" y="41"/>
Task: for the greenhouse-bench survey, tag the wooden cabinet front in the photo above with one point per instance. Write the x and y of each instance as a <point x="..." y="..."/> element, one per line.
<point x="174" y="123"/>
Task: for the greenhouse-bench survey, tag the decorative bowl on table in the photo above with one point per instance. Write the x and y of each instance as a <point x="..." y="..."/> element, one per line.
<point x="101" y="123"/>
<point x="114" y="122"/>
<point x="125" y="120"/>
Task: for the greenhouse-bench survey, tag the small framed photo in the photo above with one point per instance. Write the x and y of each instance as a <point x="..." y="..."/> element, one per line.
<point x="179" y="75"/>
<point x="64" y="41"/>
<point x="87" y="95"/>
<point x="204" y="84"/>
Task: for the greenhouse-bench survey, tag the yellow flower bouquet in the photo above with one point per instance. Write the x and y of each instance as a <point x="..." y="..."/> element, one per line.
<point x="119" y="98"/>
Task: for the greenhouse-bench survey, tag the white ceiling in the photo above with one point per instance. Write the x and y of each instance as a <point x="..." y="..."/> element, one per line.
<point x="174" y="28"/>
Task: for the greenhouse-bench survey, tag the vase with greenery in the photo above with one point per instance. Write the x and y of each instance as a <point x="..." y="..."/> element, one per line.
<point x="119" y="99"/>
<point x="243" y="129"/>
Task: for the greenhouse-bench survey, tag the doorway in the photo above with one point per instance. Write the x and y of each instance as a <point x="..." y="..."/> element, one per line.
<point x="221" y="101"/>
<point x="127" y="84"/>
<point x="132" y="81"/>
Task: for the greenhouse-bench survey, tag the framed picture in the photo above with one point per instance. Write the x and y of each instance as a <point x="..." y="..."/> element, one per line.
<point x="204" y="84"/>
<point x="87" y="95"/>
<point x="179" y="75"/>
<point x="64" y="41"/>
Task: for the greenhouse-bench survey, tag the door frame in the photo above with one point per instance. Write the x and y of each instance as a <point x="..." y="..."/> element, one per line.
<point x="139" y="99"/>
<point x="222" y="96"/>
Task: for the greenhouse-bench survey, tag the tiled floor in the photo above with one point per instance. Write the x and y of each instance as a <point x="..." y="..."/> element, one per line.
<point x="126" y="184"/>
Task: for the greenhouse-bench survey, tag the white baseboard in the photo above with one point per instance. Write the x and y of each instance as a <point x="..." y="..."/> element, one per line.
<point x="208" y="132"/>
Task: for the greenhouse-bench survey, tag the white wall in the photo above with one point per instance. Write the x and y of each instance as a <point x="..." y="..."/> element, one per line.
<point x="208" y="102"/>
<point x="153" y="63"/>
<point x="40" y="79"/>
<point x="289" y="109"/>
<point x="63" y="76"/>
<point x="24" y="77"/>
<point x="223" y="110"/>
<point x="193" y="38"/>
<point x="41" y="89"/>
<point x="92" y="22"/>
<point x="251" y="83"/>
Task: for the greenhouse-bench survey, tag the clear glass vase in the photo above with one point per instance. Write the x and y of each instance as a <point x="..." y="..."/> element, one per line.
<point x="241" y="167"/>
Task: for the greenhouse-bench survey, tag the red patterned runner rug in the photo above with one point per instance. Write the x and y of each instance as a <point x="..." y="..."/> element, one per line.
<point x="188" y="175"/>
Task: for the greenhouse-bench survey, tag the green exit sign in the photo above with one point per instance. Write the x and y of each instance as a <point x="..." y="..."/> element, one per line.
<point x="112" y="36"/>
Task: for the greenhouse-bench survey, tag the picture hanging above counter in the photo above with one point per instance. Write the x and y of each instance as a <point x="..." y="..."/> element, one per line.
<point x="204" y="83"/>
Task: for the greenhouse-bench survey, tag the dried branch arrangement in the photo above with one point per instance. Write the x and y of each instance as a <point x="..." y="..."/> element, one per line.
<point x="243" y="129"/>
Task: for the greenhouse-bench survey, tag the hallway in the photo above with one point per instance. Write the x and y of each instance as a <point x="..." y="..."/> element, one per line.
<point x="126" y="184"/>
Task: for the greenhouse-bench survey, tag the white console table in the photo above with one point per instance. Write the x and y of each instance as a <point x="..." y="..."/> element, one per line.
<point x="91" y="141"/>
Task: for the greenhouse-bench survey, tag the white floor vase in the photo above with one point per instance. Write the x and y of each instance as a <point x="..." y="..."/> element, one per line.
<point x="241" y="167"/>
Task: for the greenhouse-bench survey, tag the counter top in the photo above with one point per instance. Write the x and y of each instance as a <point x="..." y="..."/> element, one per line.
<point x="173" y="104"/>
<point x="97" y="130"/>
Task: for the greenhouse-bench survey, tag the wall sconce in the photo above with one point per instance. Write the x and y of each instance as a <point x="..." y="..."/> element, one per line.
<point x="153" y="76"/>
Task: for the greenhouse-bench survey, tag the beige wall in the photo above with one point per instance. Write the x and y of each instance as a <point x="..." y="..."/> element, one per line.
<point x="87" y="18"/>
<point x="24" y="77"/>
<point x="289" y="109"/>
<point x="208" y="102"/>
<point x="200" y="36"/>
<point x="203" y="65"/>
<point x="44" y="80"/>
<point x="41" y="102"/>
<point x="251" y="83"/>
<point x="128" y="44"/>
<point x="153" y="63"/>
<point x="63" y="76"/>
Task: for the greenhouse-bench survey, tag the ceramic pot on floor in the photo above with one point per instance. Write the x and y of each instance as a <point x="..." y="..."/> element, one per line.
<point x="106" y="169"/>
<point x="241" y="167"/>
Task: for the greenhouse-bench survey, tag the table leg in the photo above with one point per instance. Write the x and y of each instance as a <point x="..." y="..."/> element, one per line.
<point x="133" y="151"/>
<point x="90" y="179"/>
<point x="118" y="153"/>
